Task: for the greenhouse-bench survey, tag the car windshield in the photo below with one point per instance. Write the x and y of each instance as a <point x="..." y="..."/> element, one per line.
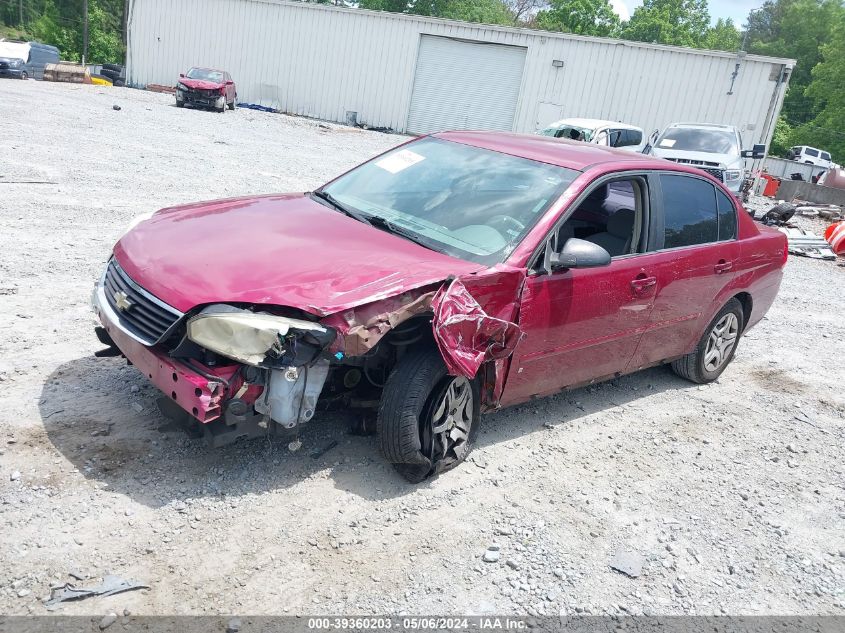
<point x="468" y="202"/>
<point x="203" y="74"/>
<point x="573" y="132"/>
<point x="711" y="141"/>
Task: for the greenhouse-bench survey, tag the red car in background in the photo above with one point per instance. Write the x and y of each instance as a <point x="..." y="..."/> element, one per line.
<point x="206" y="88"/>
<point x="453" y="275"/>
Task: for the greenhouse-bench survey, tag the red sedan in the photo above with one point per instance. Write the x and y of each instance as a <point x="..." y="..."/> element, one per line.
<point x="206" y="88"/>
<point x="453" y="275"/>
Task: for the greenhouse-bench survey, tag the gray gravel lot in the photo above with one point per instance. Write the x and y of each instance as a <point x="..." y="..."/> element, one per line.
<point x="730" y="495"/>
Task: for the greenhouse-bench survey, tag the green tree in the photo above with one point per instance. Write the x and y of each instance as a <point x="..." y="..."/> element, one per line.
<point x="484" y="11"/>
<point x="50" y="28"/>
<point x="60" y="23"/>
<point x="105" y="44"/>
<point x="394" y="6"/>
<point x="678" y="22"/>
<point x="781" y="139"/>
<point x="795" y="29"/>
<point x="584" y="17"/>
<point x="827" y="93"/>
<point x="723" y="36"/>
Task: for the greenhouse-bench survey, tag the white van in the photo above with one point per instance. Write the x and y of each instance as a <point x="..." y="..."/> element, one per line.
<point x="811" y="155"/>
<point x="611" y="133"/>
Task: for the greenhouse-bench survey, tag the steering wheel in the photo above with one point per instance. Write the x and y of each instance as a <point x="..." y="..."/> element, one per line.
<point x="506" y="219"/>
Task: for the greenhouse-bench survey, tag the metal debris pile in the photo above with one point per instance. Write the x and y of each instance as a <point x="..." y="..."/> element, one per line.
<point x="801" y="241"/>
<point x="832" y="212"/>
<point x="807" y="244"/>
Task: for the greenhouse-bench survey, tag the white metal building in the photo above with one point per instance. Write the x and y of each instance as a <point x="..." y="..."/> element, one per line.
<point x="418" y="75"/>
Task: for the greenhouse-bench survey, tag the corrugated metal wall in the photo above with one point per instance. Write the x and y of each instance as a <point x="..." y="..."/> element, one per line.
<point x="322" y="61"/>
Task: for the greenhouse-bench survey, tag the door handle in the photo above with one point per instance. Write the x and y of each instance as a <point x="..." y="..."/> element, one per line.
<point x="723" y="266"/>
<point x="641" y="284"/>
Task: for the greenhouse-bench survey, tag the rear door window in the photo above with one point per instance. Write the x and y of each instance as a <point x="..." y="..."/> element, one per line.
<point x="635" y="137"/>
<point x="727" y="216"/>
<point x="625" y="138"/>
<point x="811" y="152"/>
<point x="690" y="214"/>
<point x="825" y="156"/>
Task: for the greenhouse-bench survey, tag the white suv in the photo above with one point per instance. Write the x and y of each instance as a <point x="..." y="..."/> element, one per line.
<point x="811" y="155"/>
<point x="715" y="149"/>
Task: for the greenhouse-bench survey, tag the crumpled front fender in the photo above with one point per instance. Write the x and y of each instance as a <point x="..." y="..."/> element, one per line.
<point x="468" y="334"/>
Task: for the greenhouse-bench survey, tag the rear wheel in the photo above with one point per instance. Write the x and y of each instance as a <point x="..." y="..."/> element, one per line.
<point x="716" y="348"/>
<point x="427" y="419"/>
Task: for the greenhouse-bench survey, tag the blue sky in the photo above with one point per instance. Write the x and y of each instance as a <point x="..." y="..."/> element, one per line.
<point x="736" y="9"/>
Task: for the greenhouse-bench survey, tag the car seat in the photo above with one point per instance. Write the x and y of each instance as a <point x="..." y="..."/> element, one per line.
<point x="619" y="235"/>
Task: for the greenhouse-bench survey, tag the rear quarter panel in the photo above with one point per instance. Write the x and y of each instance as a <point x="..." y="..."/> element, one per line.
<point x="758" y="271"/>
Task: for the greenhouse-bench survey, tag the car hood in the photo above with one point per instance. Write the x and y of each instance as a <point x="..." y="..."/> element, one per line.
<point x="199" y="84"/>
<point x="9" y="60"/>
<point x="286" y="250"/>
<point x="725" y="160"/>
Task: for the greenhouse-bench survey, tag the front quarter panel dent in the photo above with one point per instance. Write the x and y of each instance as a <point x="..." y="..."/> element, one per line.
<point x="467" y="334"/>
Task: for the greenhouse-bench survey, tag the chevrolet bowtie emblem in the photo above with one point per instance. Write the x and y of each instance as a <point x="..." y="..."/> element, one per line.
<point x="121" y="301"/>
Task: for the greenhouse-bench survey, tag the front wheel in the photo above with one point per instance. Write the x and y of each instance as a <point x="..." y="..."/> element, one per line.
<point x="716" y="348"/>
<point x="24" y="75"/>
<point x="427" y="420"/>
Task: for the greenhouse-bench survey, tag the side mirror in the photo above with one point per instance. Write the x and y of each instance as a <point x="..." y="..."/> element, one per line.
<point x="759" y="151"/>
<point x="579" y="254"/>
<point x="181" y="75"/>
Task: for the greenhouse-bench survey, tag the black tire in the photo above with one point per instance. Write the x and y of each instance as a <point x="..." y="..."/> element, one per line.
<point x="693" y="366"/>
<point x="232" y="105"/>
<point x="24" y="75"/>
<point x="110" y="74"/>
<point x="413" y="390"/>
<point x="180" y="104"/>
<point x="119" y="83"/>
<point x="118" y="68"/>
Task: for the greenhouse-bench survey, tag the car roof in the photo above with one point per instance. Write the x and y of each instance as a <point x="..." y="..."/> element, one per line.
<point x="593" y="123"/>
<point x="705" y="126"/>
<point x="215" y="70"/>
<point x="554" y="151"/>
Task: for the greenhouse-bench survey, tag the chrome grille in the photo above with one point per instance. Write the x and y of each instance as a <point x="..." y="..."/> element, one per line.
<point x="718" y="174"/>
<point x="140" y="313"/>
<point x="703" y="165"/>
<point x="691" y="161"/>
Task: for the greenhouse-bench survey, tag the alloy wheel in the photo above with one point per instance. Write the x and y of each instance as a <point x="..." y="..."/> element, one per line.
<point x="451" y="421"/>
<point x="721" y="342"/>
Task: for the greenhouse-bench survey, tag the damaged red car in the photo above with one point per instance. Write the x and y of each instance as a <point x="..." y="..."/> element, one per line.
<point x="206" y="88"/>
<point x="453" y="275"/>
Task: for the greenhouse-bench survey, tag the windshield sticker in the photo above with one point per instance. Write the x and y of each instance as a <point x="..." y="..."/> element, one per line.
<point x="667" y="142"/>
<point x="399" y="161"/>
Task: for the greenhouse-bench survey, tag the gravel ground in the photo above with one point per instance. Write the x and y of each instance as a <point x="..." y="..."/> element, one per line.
<point x="730" y="495"/>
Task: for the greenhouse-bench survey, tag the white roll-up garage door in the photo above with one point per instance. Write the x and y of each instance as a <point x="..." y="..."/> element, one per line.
<point x="462" y="85"/>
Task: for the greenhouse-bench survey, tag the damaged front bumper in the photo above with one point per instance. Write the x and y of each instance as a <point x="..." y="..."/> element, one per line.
<point x="201" y="99"/>
<point x="200" y="395"/>
<point x="229" y="399"/>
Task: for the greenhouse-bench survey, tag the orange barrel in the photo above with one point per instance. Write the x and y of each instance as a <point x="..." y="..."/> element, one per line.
<point x="835" y="236"/>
